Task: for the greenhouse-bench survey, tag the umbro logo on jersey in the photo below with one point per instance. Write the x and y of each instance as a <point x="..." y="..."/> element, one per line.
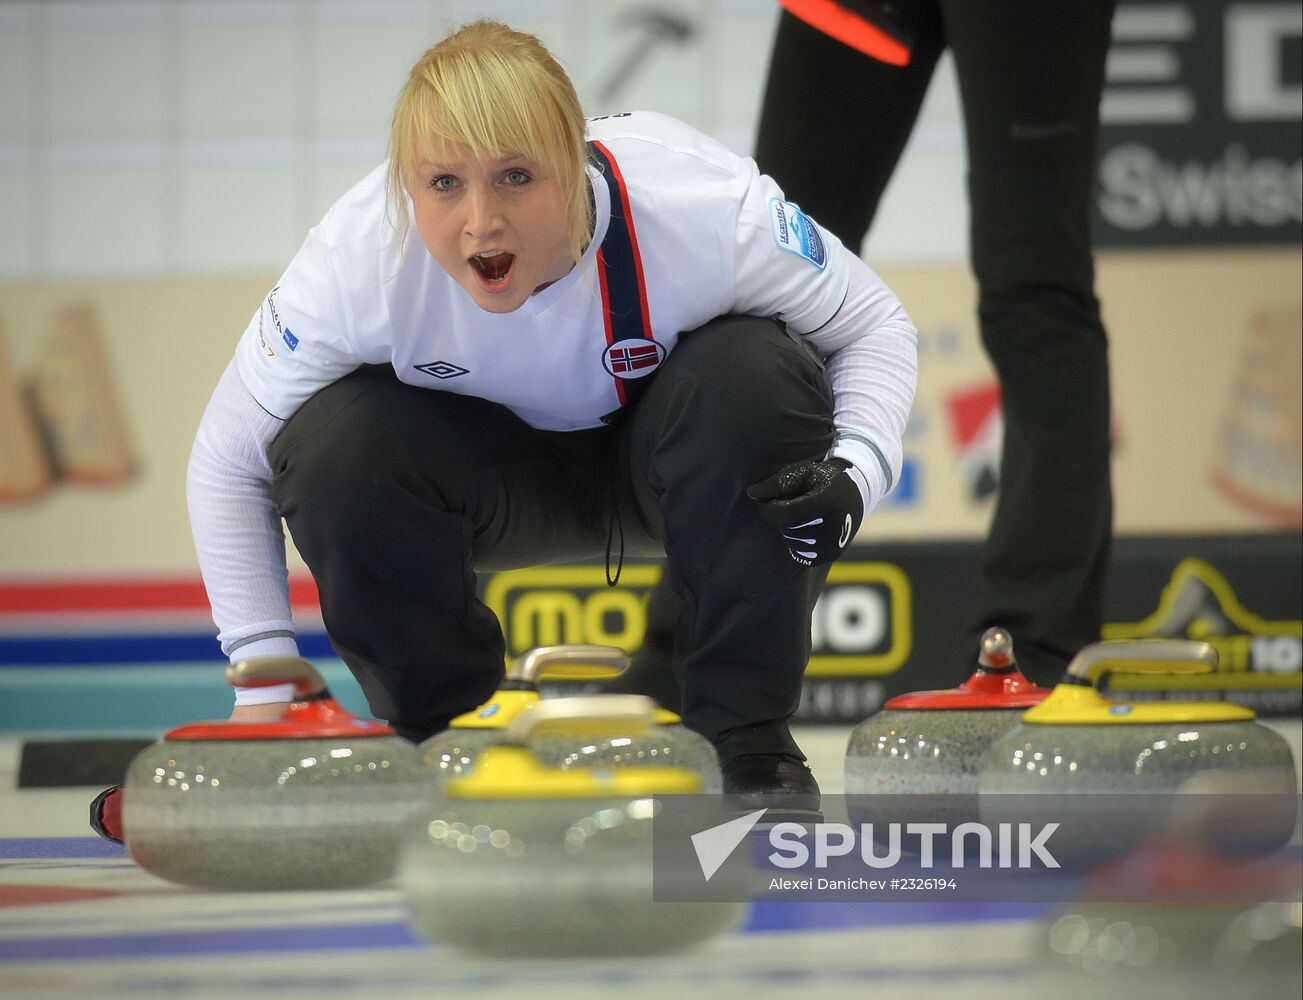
<point x="442" y="369"/>
<point x="633" y="358"/>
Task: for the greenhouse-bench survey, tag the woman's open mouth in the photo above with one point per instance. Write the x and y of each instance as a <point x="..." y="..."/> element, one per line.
<point x="493" y="267"/>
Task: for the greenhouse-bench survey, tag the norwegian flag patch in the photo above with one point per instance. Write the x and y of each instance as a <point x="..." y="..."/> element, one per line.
<point x="633" y="358"/>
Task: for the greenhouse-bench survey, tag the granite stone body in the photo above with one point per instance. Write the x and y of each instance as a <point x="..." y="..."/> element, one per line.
<point x="933" y="756"/>
<point x="1112" y="787"/>
<point x="925" y="749"/>
<point x="549" y="877"/>
<point x="1135" y="758"/>
<point x="273" y="814"/>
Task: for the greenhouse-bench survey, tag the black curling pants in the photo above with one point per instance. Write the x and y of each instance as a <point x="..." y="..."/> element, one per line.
<point x="395" y="496"/>
<point x="833" y="126"/>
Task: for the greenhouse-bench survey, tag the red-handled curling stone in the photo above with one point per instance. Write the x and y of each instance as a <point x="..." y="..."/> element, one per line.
<point x="930" y="744"/>
<point x="315" y="799"/>
<point x="1177" y="917"/>
<point x="313" y="714"/>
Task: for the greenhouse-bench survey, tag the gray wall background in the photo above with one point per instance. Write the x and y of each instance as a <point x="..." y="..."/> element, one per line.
<point x="202" y="138"/>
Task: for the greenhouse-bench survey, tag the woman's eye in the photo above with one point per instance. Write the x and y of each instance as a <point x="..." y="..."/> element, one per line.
<point x="517" y="177"/>
<point x="443" y="183"/>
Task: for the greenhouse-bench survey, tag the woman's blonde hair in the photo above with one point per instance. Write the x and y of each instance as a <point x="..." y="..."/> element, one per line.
<point x="494" y="91"/>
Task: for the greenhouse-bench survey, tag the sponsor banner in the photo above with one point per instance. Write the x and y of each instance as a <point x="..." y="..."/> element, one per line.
<point x="975" y="421"/>
<point x="1240" y="595"/>
<point x="114" y="621"/>
<point x="1243" y="594"/>
<point x="1200" y="125"/>
<point x="861" y="625"/>
<point x="891" y="620"/>
<point x="1007" y="848"/>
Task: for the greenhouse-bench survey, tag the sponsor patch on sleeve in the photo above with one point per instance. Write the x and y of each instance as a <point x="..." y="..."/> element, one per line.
<point x="796" y="232"/>
<point x="286" y="334"/>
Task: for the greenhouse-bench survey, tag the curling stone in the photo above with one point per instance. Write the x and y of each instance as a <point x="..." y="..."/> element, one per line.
<point x="1176" y="918"/>
<point x="1076" y="741"/>
<point x="1156" y="951"/>
<point x="1175" y="942"/>
<point x="454" y="751"/>
<point x="316" y="799"/>
<point x="931" y="743"/>
<point x="524" y="858"/>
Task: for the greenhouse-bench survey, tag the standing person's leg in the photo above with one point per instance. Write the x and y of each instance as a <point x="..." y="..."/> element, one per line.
<point x="734" y="402"/>
<point x="835" y="121"/>
<point x="394" y="495"/>
<point x="1030" y="77"/>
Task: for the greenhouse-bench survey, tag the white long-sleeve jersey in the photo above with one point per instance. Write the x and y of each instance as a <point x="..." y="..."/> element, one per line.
<point x="710" y="236"/>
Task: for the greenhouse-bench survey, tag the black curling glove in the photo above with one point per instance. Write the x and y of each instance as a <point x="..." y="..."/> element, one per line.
<point x="816" y="505"/>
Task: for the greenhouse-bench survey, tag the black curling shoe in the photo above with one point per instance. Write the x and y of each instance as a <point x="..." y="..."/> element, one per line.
<point x="780" y="783"/>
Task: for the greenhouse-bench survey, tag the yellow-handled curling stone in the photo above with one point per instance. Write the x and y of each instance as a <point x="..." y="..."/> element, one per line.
<point x="667" y="742"/>
<point x="1077" y="742"/>
<point x="316" y="799"/>
<point x="930" y="744"/>
<point x="524" y="858"/>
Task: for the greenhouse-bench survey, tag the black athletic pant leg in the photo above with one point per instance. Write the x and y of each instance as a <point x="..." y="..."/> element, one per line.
<point x="394" y="495"/>
<point x="1030" y="77"/>
<point x="733" y="403"/>
<point x="834" y="121"/>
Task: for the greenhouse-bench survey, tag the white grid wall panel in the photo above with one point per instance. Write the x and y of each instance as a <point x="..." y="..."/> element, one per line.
<point x="107" y="76"/>
<point x="193" y="138"/>
<point x="741" y="36"/>
<point x="239" y="206"/>
<point x="18" y="74"/>
<point x="636" y="61"/>
<point x="240" y="68"/>
<point x="107" y="217"/>
<point x="923" y="215"/>
<point x="358" y="62"/>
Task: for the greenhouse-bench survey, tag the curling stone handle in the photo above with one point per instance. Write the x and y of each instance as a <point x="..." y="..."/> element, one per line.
<point x="1140" y="656"/>
<point x="578" y="660"/>
<point x="996" y="652"/>
<point x="268" y="671"/>
<point x="587" y="715"/>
